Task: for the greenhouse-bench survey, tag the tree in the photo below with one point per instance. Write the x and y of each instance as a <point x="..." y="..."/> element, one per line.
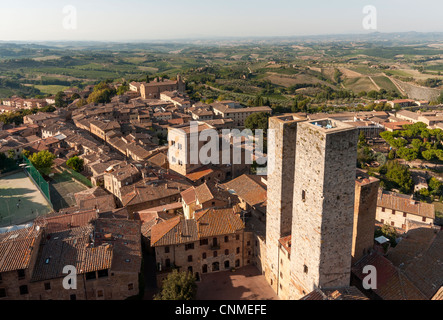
<point x="178" y="286"/>
<point x="400" y="175"/>
<point x="407" y="154"/>
<point x="75" y="163"/>
<point x="257" y="121"/>
<point x="60" y="100"/>
<point x="436" y="186"/>
<point x="102" y="93"/>
<point x="43" y="161"/>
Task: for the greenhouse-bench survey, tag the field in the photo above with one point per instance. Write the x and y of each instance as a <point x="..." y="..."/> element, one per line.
<point x="62" y="188"/>
<point x="19" y="189"/>
<point x="321" y="70"/>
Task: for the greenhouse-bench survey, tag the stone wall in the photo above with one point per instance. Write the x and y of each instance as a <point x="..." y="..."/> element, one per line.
<point x="323" y="206"/>
<point x="281" y="153"/>
<point x="366" y="192"/>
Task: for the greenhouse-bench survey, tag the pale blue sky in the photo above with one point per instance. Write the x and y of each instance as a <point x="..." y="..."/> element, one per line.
<point x="174" y="19"/>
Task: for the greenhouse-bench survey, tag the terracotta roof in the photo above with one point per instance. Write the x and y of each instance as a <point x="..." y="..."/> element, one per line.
<point x="392" y="283"/>
<point x="125" y="241"/>
<point x="145" y="191"/>
<point x="199" y="173"/>
<point x="214" y="222"/>
<point x="61" y="221"/>
<point x="207" y="223"/>
<point x="401" y="203"/>
<point x="70" y="247"/>
<point x="249" y="188"/>
<point x="17" y="247"/>
<point x="422" y="262"/>
<point x="347" y="293"/>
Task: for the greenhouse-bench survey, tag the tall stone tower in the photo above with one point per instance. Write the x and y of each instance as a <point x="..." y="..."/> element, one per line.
<point x="366" y="193"/>
<point x="282" y="135"/>
<point x="323" y="206"/>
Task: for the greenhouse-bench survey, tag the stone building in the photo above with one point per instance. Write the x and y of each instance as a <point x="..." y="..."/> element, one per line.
<point x="106" y="254"/>
<point x="211" y="241"/>
<point x="323" y="205"/>
<point x="311" y="188"/>
<point x="396" y="210"/>
<point x="366" y="191"/>
<point x="283" y="134"/>
<point x="153" y="89"/>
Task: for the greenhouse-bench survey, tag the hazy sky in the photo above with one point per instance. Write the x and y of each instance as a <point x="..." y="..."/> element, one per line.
<point x="174" y="19"/>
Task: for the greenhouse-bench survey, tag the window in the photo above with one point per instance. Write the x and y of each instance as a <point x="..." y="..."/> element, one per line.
<point x="90" y="275"/>
<point x="214" y="242"/>
<point x="131" y="286"/>
<point x="382" y="220"/>
<point x="215" y="266"/>
<point x="424" y="219"/>
<point x="2" y="292"/>
<point x="237" y="237"/>
<point x="248" y="243"/>
<point x="303" y="195"/>
<point x="404" y="214"/>
<point x="281" y="275"/>
<point x="226" y="252"/>
<point x="226" y="239"/>
<point x="205" y="268"/>
<point x="47" y="286"/>
<point x="190" y="269"/>
<point x="0" y="278"/>
<point x="167" y="263"/>
<point x="189" y="246"/>
<point x="102" y="273"/>
<point x="204" y="242"/>
<point x="204" y="255"/>
<point x="214" y="254"/>
<point x="237" y="263"/>
<point x="21" y="274"/>
<point x="392" y="223"/>
<point x="166" y="249"/>
<point x="24" y="290"/>
<point x="382" y="209"/>
<point x="403" y="226"/>
<point x="305" y="269"/>
<point x="100" y="293"/>
<point x="227" y="264"/>
<point x="189" y="258"/>
<point x="393" y="212"/>
<point x="238" y="250"/>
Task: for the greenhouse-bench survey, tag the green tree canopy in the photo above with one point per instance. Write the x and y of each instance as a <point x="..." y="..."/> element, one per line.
<point x="257" y="121"/>
<point x="400" y="175"/>
<point x="75" y="163"/>
<point x="43" y="161"/>
<point x="178" y="286"/>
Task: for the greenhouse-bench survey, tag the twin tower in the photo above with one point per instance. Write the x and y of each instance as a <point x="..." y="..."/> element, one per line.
<point x="312" y="199"/>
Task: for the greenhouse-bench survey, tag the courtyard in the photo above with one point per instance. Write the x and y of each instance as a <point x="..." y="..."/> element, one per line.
<point x="246" y="283"/>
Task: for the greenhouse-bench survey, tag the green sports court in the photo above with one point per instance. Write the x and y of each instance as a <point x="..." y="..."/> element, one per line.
<point x="20" y="200"/>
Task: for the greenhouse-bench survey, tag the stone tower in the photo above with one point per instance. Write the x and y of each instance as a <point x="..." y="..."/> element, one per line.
<point x="323" y="206"/>
<point x="366" y="192"/>
<point x="282" y="135"/>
